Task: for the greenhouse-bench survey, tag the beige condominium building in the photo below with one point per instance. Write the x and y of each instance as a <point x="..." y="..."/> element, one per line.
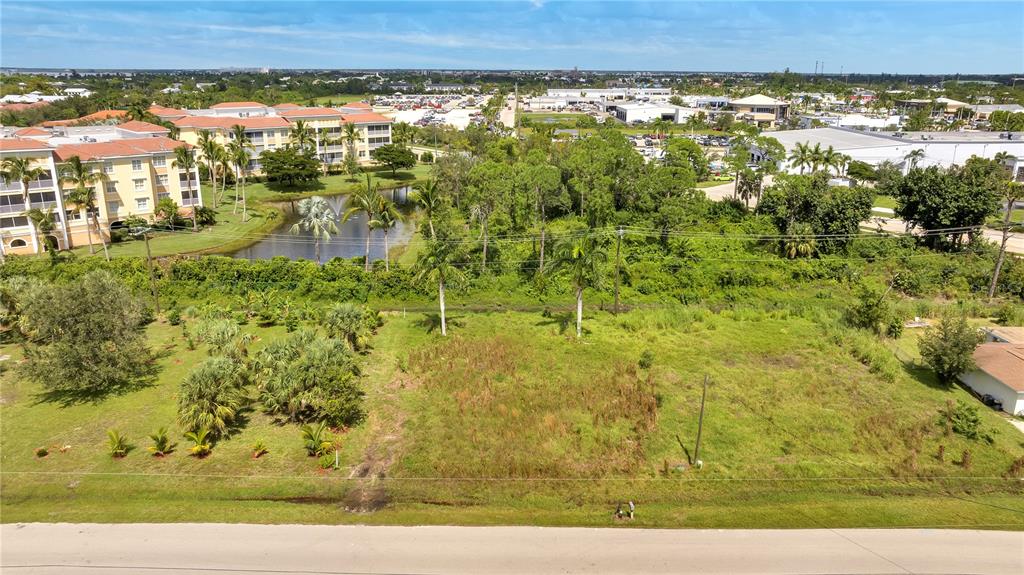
<point x="137" y="159"/>
<point x="270" y="127"/>
<point x="760" y="109"/>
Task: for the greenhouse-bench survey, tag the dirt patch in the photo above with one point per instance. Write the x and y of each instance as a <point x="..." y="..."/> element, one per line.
<point x="366" y="499"/>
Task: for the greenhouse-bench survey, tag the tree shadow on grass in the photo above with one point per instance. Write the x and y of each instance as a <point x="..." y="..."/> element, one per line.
<point x="432" y="322"/>
<point x="301" y="187"/>
<point x="564" y="320"/>
<point x="398" y="176"/>
<point x="922" y="374"/>
<point x="69" y="396"/>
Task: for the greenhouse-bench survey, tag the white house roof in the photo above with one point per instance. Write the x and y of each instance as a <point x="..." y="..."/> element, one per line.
<point x="758" y="100"/>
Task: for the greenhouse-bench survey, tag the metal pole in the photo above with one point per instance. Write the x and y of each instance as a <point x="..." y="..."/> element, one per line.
<point x="700" y="424"/>
<point x="618" y="246"/>
<point x="152" y="276"/>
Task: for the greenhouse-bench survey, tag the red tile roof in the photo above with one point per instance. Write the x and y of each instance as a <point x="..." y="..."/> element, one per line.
<point x="286" y="106"/>
<point x="366" y="118"/>
<point x="1003" y="361"/>
<point x="309" y="112"/>
<point x="212" y="122"/>
<point x="223" y="105"/>
<point x="18" y="107"/>
<point x="142" y="127"/>
<point x="164" y="112"/>
<point x="20" y="144"/>
<point x="32" y="131"/>
<point x="118" y="148"/>
<point x="100" y="116"/>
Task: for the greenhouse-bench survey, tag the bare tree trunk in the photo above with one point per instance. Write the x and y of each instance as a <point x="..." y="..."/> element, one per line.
<point x="1002" y="248"/>
<point x="234" y="210"/>
<point x="485" y="244"/>
<point x="387" y="258"/>
<point x="193" y="199"/>
<point x="579" y="312"/>
<point x="32" y="227"/>
<point x="245" y="214"/>
<point x="444" y="324"/>
<point x="366" y="264"/>
<point x="430" y="221"/>
<point x="88" y="234"/>
<point x="99" y="232"/>
<point x="543" y="222"/>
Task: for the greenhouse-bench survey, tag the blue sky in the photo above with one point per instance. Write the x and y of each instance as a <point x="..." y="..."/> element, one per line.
<point x="915" y="37"/>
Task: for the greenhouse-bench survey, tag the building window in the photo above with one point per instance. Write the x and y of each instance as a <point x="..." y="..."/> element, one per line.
<point x="111" y="187"/>
<point x="108" y="167"/>
<point x="140" y="185"/>
<point x="14" y="222"/>
<point x="142" y="203"/>
<point x="136" y="165"/>
<point x="113" y="207"/>
<point x="362" y="153"/>
<point x="159" y="161"/>
<point x="161" y="179"/>
<point x="18" y="243"/>
<point x="73" y="215"/>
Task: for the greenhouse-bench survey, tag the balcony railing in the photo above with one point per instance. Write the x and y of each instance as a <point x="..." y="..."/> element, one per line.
<point x="189" y="201"/>
<point x="33" y="185"/>
<point x="12" y="209"/>
<point x="44" y="205"/>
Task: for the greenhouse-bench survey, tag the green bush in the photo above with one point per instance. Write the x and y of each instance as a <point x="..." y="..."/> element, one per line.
<point x="117" y="444"/>
<point x="963" y="419"/>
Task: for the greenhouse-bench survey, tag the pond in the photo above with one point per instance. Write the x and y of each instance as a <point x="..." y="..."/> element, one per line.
<point x="350" y="242"/>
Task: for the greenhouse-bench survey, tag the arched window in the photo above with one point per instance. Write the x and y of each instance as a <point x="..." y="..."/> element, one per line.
<point x="19" y="243"/>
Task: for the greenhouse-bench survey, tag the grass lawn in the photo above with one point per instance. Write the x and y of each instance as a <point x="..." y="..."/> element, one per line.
<point x="882" y="201"/>
<point x="231" y="233"/>
<point x="342" y="98"/>
<point x="512" y="421"/>
<point x="712" y="183"/>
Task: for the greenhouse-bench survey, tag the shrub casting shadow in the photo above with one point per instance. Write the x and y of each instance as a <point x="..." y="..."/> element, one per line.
<point x="145" y="377"/>
<point x="563" y="320"/>
<point x="432" y="322"/>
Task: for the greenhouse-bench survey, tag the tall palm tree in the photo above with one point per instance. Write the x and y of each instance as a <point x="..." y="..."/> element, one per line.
<point x="800" y="157"/>
<point x="350" y="135"/>
<point x="914" y="157"/>
<point x="402" y="133"/>
<point x="208" y="146"/>
<point x="385" y="218"/>
<point x="239" y="149"/>
<point x="364" y="200"/>
<point x="43" y="223"/>
<point x="185" y="159"/>
<point x="437" y="265"/>
<point x="582" y="259"/>
<point x="224" y="167"/>
<point x="81" y="175"/>
<point x="18" y="169"/>
<point x="316" y="217"/>
<point x="830" y="158"/>
<point x="302" y="136"/>
<point x="429" y="198"/>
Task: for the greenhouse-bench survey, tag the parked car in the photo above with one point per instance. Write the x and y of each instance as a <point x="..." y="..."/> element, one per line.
<point x="992" y="402"/>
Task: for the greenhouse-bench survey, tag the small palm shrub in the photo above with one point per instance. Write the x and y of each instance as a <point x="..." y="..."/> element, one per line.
<point x="117" y="443"/>
<point x="259" y="449"/>
<point x="42" y="452"/>
<point x="314" y="439"/>
<point x="161" y="443"/>
<point x="201" y="445"/>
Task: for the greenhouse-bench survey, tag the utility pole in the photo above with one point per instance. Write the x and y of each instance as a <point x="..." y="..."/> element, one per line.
<point x="700" y="425"/>
<point x="618" y="247"/>
<point x="149" y="266"/>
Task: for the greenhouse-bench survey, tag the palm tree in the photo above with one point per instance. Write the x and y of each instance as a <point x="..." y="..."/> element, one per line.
<point x="185" y="159"/>
<point x="302" y="136"/>
<point x="401" y="133"/>
<point x="224" y="167"/>
<point x="239" y="149"/>
<point x="428" y="196"/>
<point x="800" y="242"/>
<point x="830" y="158"/>
<point x="817" y="155"/>
<point x="85" y="179"/>
<point x="1011" y="193"/>
<point x="436" y="265"/>
<point x="364" y="200"/>
<point x="582" y="258"/>
<point x="387" y="215"/>
<point x="800" y="157"/>
<point x="208" y="145"/>
<point x="316" y="217"/>
<point x="17" y="169"/>
<point x="43" y="224"/>
<point x="914" y="157"/>
<point x="350" y="136"/>
<point x="345" y="321"/>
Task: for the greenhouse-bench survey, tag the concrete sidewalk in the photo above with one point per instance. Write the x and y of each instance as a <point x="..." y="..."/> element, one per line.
<point x="205" y="548"/>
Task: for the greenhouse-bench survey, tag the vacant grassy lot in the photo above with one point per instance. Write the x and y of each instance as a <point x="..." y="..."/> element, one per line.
<point x="338" y="99"/>
<point x="512" y="421"/>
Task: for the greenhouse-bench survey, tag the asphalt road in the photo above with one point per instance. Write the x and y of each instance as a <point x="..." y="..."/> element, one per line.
<point x="245" y="549"/>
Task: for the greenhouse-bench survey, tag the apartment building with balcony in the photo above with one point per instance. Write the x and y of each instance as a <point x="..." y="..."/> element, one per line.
<point x="269" y="127"/>
<point x="137" y="159"/>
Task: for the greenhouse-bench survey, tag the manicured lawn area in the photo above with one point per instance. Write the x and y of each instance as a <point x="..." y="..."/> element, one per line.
<point x="882" y="201"/>
<point x="711" y="183"/>
<point x="512" y="421"/>
<point x="343" y="98"/>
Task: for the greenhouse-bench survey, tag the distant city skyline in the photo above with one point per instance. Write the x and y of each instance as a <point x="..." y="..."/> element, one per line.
<point x="855" y="37"/>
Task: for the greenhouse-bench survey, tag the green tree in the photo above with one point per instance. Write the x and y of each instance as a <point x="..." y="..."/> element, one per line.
<point x="429" y="198"/>
<point x="84" y="177"/>
<point x="385" y="217"/>
<point x="208" y="146"/>
<point x="238" y="150"/>
<point x="44" y="223"/>
<point x="302" y="136"/>
<point x="582" y="259"/>
<point x="948" y="347"/>
<point x="681" y="152"/>
<point x="84" y="338"/>
<point x="394" y="157"/>
<point x="1011" y="193"/>
<point x="800" y="242"/>
<point x="212" y="395"/>
<point x="437" y="265"/>
<point x="402" y="133"/>
<point x="185" y="160"/>
<point x="364" y="200"/>
<point x="290" y="165"/>
<point x="956" y="201"/>
<point x="801" y="156"/>
<point x="317" y="218"/>
<point x="19" y="169"/>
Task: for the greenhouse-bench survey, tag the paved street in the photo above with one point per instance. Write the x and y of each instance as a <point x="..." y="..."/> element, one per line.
<point x="204" y="548"/>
